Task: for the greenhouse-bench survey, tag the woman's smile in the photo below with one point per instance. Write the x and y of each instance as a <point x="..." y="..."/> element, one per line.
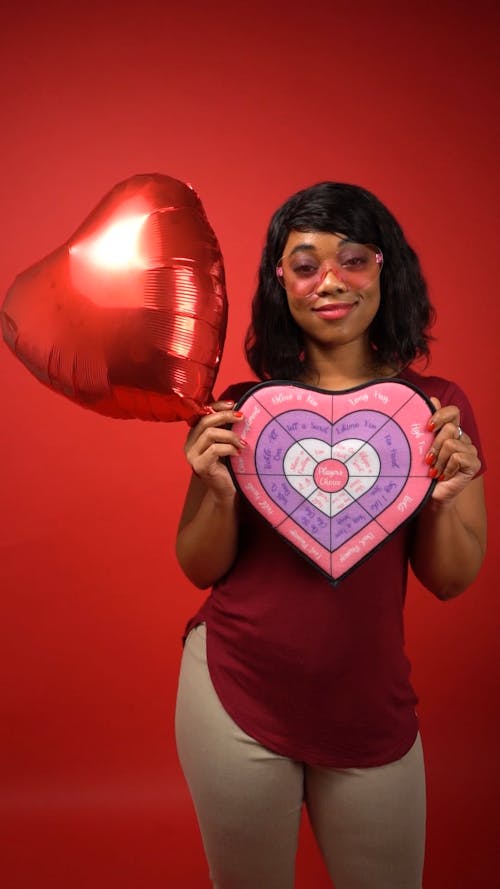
<point x="334" y="311"/>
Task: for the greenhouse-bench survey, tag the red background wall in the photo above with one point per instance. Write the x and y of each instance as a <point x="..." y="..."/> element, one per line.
<point x="248" y="106"/>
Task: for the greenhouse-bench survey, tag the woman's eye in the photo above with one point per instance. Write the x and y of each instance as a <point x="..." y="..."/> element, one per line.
<point x="304" y="270"/>
<point x="353" y="262"/>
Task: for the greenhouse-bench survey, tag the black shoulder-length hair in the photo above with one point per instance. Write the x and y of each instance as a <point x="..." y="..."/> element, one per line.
<point x="400" y="330"/>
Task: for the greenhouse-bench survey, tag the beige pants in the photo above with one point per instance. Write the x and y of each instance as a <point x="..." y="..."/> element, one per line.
<point x="369" y="823"/>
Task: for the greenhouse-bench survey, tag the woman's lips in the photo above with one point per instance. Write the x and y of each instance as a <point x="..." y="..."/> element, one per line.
<point x="334" y="310"/>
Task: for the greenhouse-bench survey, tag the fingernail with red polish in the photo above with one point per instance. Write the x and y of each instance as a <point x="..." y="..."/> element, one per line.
<point x="243" y="442"/>
<point x="441" y="477"/>
<point x="238" y="414"/>
<point x="430" y="458"/>
<point x="431" y="425"/>
<point x="433" y="473"/>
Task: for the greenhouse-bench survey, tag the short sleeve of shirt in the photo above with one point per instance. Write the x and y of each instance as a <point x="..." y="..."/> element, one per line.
<point x="452" y="394"/>
<point x="237" y="391"/>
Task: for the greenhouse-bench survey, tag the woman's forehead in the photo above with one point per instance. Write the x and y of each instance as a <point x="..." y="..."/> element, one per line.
<point x="314" y="240"/>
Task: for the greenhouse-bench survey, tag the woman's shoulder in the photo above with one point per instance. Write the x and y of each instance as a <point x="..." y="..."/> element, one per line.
<point x="236" y="391"/>
<point x="431" y="385"/>
<point x="448" y="392"/>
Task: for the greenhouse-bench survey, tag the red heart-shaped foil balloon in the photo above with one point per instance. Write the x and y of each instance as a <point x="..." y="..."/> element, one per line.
<point x="335" y="473"/>
<point x="128" y="317"/>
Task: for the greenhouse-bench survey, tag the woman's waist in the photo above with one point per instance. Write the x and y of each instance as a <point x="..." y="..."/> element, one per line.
<point x="311" y="651"/>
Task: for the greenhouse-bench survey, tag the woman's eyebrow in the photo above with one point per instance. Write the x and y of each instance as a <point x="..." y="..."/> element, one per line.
<point x="302" y="247"/>
<point x="313" y="247"/>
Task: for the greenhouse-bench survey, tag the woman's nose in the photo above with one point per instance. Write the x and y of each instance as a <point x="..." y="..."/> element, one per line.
<point x="332" y="280"/>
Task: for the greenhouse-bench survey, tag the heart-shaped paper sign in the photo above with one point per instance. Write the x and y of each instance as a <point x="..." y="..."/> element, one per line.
<point x="334" y="473"/>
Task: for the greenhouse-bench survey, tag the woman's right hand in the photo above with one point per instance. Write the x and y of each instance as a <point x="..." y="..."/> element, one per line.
<point x="208" y="441"/>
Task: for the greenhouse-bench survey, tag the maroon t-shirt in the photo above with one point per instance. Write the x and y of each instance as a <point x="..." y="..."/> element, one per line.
<point x="312" y="671"/>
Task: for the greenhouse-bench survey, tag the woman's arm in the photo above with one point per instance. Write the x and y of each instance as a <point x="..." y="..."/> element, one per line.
<point x="208" y="529"/>
<point x="450" y="535"/>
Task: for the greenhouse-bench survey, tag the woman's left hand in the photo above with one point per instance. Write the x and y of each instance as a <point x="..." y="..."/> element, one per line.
<point x="452" y="457"/>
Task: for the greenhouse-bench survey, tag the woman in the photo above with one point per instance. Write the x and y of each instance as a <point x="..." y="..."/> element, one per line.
<point x="306" y="697"/>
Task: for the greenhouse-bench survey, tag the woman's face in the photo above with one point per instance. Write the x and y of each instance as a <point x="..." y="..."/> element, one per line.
<point x="330" y="305"/>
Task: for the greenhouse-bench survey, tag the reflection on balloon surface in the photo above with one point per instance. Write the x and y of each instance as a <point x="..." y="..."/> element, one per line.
<point x="128" y="317"/>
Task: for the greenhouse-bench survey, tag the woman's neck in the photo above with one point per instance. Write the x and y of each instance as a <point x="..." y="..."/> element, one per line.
<point x="343" y="368"/>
